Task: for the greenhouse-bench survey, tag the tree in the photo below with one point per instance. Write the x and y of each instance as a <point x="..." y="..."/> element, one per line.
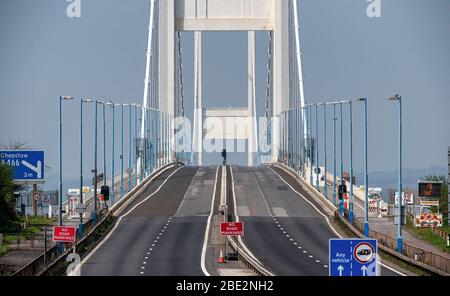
<point x="7" y="201"/>
<point x="443" y="200"/>
<point x="15" y="144"/>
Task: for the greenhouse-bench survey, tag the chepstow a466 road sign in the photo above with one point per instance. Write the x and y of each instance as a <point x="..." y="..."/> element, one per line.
<point x="28" y="166"/>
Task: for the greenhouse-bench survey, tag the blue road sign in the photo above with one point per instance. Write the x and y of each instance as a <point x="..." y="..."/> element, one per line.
<point x="353" y="257"/>
<point x="27" y="165"/>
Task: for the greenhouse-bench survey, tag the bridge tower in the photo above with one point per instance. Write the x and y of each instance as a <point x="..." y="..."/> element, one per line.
<point x="169" y="17"/>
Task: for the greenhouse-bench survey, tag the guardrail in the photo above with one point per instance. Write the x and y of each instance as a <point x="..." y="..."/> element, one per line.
<point x="50" y="263"/>
<point x="247" y="259"/>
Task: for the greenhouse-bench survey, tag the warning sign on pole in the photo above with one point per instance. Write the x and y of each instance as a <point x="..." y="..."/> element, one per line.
<point x="232" y="228"/>
<point x="64" y="234"/>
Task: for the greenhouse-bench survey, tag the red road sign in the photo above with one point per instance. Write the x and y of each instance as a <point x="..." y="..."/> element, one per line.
<point x="232" y="228"/>
<point x="64" y="234"/>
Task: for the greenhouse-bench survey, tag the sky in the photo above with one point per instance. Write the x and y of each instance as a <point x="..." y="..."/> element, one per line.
<point x="44" y="54"/>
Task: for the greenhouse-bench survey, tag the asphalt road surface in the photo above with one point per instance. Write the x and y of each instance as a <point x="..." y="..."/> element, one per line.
<point x="164" y="234"/>
<point x="282" y="230"/>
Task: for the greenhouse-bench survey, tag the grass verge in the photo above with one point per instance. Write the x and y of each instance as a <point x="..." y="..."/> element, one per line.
<point x="427" y="235"/>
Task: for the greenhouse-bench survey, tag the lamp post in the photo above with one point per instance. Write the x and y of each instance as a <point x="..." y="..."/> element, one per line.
<point x="66" y="98"/>
<point x="325" y="148"/>
<point x="94" y="215"/>
<point x="352" y="213"/>
<point x="150" y="140"/>
<point x="129" y="148"/>
<point x="341" y="203"/>
<point x="334" y="150"/>
<point x="80" y="227"/>
<point x="366" y="173"/>
<point x="146" y="139"/>
<point x="399" y="234"/>
<point x="310" y="146"/>
<point x="121" y="150"/>
<point x="317" y="148"/>
<point x="113" y="149"/>
<point x="135" y="145"/>
<point x="104" y="144"/>
<point x="104" y="147"/>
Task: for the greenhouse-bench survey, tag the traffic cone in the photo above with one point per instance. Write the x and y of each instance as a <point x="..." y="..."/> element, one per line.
<point x="221" y="257"/>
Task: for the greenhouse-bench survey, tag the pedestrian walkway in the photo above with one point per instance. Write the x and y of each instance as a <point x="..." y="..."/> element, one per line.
<point x="384" y="225"/>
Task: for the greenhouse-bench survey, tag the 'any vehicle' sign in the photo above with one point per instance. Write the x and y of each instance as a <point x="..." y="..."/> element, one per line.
<point x="64" y="234"/>
<point x="232" y="228"/>
<point x="353" y="257"/>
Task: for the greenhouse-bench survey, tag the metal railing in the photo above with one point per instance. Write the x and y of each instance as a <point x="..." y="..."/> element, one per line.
<point x="51" y="258"/>
<point x="424" y="259"/>
<point x="415" y="253"/>
<point x="41" y="262"/>
<point x="247" y="259"/>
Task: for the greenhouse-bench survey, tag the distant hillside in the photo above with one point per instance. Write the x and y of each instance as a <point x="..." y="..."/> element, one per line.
<point x="389" y="179"/>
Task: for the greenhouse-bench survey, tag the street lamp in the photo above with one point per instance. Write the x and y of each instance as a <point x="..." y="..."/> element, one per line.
<point x="135" y="144"/>
<point x="113" y="151"/>
<point x="366" y="174"/>
<point x="399" y="235"/>
<point x="104" y="144"/>
<point x="129" y="149"/>
<point x="121" y="151"/>
<point x="310" y="145"/>
<point x="352" y="213"/>
<point x="65" y="98"/>
<point x="81" y="161"/>
<point x="334" y="149"/>
<point x="341" y="203"/>
<point x="325" y="147"/>
<point x="317" y="148"/>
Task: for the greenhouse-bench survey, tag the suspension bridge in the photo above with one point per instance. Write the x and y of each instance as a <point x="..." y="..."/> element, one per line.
<point x="167" y="205"/>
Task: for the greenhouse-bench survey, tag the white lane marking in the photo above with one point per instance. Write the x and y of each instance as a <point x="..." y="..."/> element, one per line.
<point x="328" y="221"/>
<point x="301" y="195"/>
<point x="208" y="225"/>
<point x="120" y="219"/>
<point x="280" y="210"/>
<point x="153" y="193"/>
<point x="241" y="242"/>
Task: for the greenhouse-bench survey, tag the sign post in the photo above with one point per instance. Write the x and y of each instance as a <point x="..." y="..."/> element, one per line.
<point x="64" y="234"/>
<point x="232" y="229"/>
<point x="353" y="257"/>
